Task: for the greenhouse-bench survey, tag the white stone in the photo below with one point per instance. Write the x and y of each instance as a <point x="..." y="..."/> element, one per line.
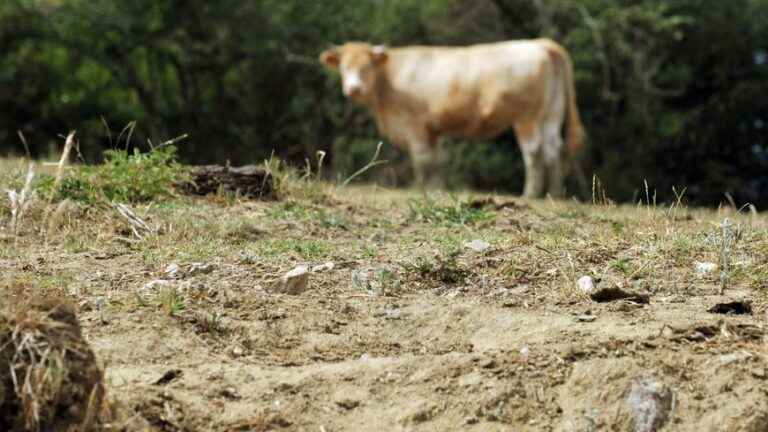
<point x="586" y="284"/>
<point x="704" y="268"/>
<point x="478" y="245"/>
<point x="173" y="271"/>
<point x="323" y="267"/>
<point x="734" y="358"/>
<point x="200" y="268"/>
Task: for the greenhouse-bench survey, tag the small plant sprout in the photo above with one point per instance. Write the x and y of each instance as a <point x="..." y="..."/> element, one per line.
<point x="374" y="161"/>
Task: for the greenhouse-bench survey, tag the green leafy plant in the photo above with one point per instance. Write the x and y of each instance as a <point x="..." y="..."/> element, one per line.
<point x="123" y="177"/>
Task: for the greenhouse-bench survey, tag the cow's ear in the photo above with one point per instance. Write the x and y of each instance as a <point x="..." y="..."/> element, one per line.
<point x="330" y="57"/>
<point x="379" y="54"/>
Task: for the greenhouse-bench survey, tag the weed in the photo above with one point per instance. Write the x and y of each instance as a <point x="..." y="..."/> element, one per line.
<point x="123" y="177"/>
<point x="726" y="251"/>
<point x="368" y="252"/>
<point x="291" y="183"/>
<point x="20" y="201"/>
<point x="210" y="322"/>
<point x="171" y="300"/>
<point x="444" y="268"/>
<point x="74" y="243"/>
<point x="381" y="282"/>
<point x="621" y="265"/>
<point x="306" y="249"/>
<point x="457" y="212"/>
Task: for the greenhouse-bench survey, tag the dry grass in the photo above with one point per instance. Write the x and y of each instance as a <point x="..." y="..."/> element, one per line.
<point x="53" y="382"/>
<point x="389" y="247"/>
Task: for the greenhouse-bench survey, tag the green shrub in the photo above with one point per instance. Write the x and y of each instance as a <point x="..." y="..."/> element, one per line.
<point x="122" y="177"/>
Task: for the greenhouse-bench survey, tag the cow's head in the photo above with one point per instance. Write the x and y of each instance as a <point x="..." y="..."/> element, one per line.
<point x="358" y="64"/>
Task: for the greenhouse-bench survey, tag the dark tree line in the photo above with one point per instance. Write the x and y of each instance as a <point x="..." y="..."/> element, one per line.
<point x="672" y="92"/>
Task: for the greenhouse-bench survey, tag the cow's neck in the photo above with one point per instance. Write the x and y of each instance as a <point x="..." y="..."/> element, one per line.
<point x="392" y="110"/>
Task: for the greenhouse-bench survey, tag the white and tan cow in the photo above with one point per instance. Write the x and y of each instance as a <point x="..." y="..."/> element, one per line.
<point x="419" y="94"/>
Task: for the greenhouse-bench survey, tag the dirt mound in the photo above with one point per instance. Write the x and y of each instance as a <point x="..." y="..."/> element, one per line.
<point x="49" y="379"/>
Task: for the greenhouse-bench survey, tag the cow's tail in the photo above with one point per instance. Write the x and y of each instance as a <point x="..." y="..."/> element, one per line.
<point x="574" y="130"/>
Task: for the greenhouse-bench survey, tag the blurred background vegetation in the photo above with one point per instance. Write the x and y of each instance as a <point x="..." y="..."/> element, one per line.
<point x="672" y="92"/>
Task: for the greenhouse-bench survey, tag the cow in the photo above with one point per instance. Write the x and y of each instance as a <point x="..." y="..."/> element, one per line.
<point x="418" y="94"/>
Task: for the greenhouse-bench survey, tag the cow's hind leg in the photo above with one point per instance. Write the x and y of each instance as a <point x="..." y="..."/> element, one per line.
<point x="529" y="138"/>
<point x="554" y="155"/>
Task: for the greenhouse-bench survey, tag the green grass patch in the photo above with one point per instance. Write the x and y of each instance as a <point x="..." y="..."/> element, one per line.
<point x="122" y="177"/>
<point x="306" y="249"/>
<point x="455" y="212"/>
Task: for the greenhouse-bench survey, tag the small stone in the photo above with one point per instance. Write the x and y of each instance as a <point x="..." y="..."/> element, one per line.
<point x="230" y="393"/>
<point x="295" y="281"/>
<point x="478" y="245"/>
<point x="348" y="404"/>
<point x="586" y="284"/>
<point x="237" y="351"/>
<point x="152" y="286"/>
<point x="586" y="318"/>
<point x="100" y="303"/>
<point x="734" y="358"/>
<point x="173" y="271"/>
<point x="488" y="364"/>
<point x="200" y="268"/>
<point x="649" y="402"/>
<point x="471" y="420"/>
<point x="247" y="257"/>
<point x="704" y="268"/>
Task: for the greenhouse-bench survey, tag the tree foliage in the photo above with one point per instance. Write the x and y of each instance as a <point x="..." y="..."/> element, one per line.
<point x="670" y="90"/>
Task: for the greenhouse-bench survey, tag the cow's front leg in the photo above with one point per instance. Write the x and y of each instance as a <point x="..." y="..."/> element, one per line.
<point x="425" y="156"/>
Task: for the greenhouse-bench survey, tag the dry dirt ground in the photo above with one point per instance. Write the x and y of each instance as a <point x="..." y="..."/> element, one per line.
<point x="410" y="329"/>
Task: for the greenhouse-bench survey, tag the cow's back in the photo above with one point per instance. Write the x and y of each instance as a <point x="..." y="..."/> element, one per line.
<point x="474" y="91"/>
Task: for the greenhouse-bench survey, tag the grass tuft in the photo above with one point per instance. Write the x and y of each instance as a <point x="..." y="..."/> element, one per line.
<point x="457" y="212"/>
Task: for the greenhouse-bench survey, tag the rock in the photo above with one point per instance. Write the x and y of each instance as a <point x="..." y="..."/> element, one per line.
<point x="734" y="358"/>
<point x="704" y="268"/>
<point x="586" y="318"/>
<point x="649" y="402"/>
<point x="586" y="285"/>
<point x="610" y="294"/>
<point x="173" y="271"/>
<point x="323" y="267"/>
<point x="247" y="257"/>
<point x="199" y="268"/>
<point x="237" y="351"/>
<point x="295" y="281"/>
<point x="477" y="245"/>
<point x="150" y="289"/>
<point x="348" y="403"/>
<point x="95" y="303"/>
